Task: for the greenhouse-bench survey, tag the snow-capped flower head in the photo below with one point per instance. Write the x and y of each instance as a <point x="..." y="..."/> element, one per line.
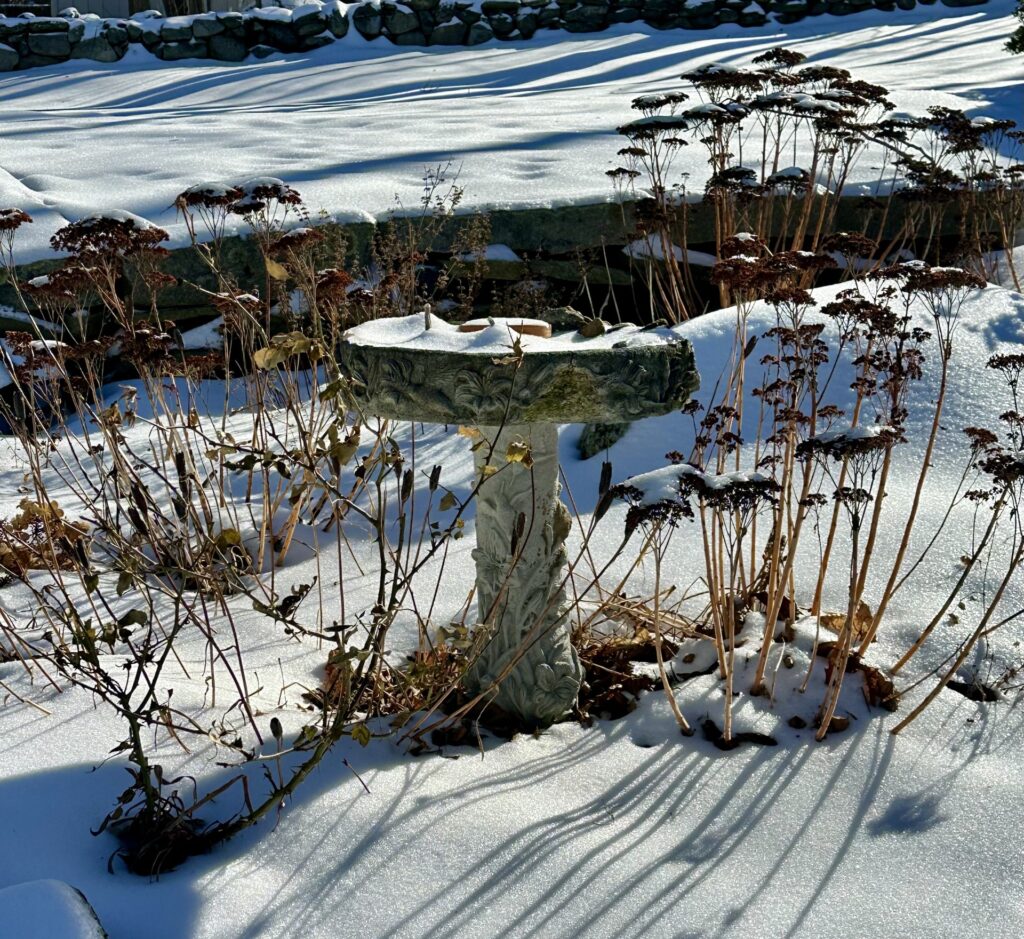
<point x="13" y="219"/>
<point x="719" y="80"/>
<point x="262" y="191"/>
<point x="298" y="238"/>
<point x="653" y="103"/>
<point x="207" y="195"/>
<point x="112" y="233"/>
<point x="65" y="284"/>
<point x="780" y="57"/>
<point x="849" y="245"/>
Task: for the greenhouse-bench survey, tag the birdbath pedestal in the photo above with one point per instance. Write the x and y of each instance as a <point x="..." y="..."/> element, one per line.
<point x="420" y="368"/>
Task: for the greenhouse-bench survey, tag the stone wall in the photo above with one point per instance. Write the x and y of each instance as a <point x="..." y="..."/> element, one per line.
<point x="26" y="41"/>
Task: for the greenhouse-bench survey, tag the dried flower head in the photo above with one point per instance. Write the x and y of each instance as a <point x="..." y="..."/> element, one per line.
<point x="119" y="234"/>
<point x="780" y="58"/>
<point x="208" y="195"/>
<point x="12" y="219"/>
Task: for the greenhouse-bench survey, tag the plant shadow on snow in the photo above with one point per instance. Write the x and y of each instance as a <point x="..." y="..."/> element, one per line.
<point x="722" y="806"/>
<point x="747" y="789"/>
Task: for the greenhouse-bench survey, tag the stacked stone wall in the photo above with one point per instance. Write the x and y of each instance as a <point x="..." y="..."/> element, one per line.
<point x="29" y="41"/>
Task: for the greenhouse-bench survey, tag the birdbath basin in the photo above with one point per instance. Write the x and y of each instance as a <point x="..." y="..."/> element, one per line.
<point x="420" y="368"/>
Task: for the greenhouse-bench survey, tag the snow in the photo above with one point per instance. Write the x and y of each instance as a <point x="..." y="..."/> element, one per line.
<point x="46" y="909"/>
<point x="412" y="332"/>
<point x="622" y="829"/>
<point x="491" y="253"/>
<point x="207" y="336"/>
<point x="662" y="485"/>
<point x="652" y="248"/>
<point x="9" y="313"/>
<point x="848" y="434"/>
<point x="526" y="122"/>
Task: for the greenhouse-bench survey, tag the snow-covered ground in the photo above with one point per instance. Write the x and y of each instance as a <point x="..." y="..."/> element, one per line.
<point x="355" y="123"/>
<point x="623" y="829"/>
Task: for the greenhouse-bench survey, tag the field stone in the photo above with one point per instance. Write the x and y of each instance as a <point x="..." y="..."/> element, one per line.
<point x="306" y="15"/>
<point x="54" y="45"/>
<point x="8" y="58"/>
<point x="479" y="33"/>
<point x="502" y="24"/>
<point x="12" y="29"/>
<point x="309" y="43"/>
<point x="174" y="51"/>
<point x="337" y="21"/>
<point x="450" y="34"/>
<point x="280" y="36"/>
<point x="367" y="21"/>
<point x="587" y="18"/>
<point x="48" y="24"/>
<point x="96" y="48"/>
<point x="31" y="60"/>
<point x="401" y="21"/>
<point x="176" y="32"/>
<point x="150" y="40"/>
<point x="226" y="48"/>
<point x="261" y="51"/>
<point x="203" y="27"/>
<point x="414" y="37"/>
<point x="528" y="23"/>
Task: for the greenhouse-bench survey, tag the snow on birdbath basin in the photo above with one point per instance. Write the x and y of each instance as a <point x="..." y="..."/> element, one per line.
<point x="420" y="368"/>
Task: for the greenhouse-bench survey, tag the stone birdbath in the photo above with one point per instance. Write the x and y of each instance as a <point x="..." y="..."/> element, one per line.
<point x="420" y="368"/>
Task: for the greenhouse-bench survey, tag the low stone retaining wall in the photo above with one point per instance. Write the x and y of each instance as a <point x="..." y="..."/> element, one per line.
<point x="27" y="41"/>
